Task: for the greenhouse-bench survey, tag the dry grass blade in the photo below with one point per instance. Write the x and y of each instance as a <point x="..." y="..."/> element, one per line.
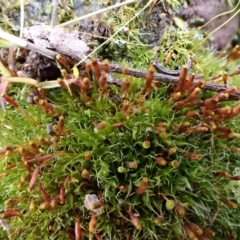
<point x="96" y="13"/>
<point x="120" y="29"/>
<point x="219" y="15"/>
<point x="211" y="33"/>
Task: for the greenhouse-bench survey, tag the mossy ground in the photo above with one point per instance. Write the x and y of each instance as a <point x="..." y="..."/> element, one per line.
<point x="120" y="161"/>
<point x="192" y="184"/>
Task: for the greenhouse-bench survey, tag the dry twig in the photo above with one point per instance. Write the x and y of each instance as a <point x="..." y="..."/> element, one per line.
<point x="116" y="68"/>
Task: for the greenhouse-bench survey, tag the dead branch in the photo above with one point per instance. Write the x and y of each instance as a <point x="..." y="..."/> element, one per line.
<point x="173" y="80"/>
<point x="21" y="42"/>
<point x="116" y="68"/>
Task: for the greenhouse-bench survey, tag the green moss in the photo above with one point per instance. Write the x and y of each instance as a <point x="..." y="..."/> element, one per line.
<point x="142" y="199"/>
<point x="192" y="183"/>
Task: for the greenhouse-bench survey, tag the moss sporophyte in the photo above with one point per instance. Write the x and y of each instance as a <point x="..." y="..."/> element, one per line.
<point x="159" y="165"/>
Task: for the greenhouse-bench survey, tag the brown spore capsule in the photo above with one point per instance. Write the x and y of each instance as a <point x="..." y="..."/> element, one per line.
<point x="95" y="67"/>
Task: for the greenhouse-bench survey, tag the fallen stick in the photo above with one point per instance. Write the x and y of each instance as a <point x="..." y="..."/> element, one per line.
<point x="116" y="68"/>
<point x="21" y="42"/>
<point x="173" y="80"/>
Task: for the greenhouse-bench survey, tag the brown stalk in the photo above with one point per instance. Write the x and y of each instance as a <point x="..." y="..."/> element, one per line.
<point x="182" y="79"/>
<point x="188" y="83"/>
